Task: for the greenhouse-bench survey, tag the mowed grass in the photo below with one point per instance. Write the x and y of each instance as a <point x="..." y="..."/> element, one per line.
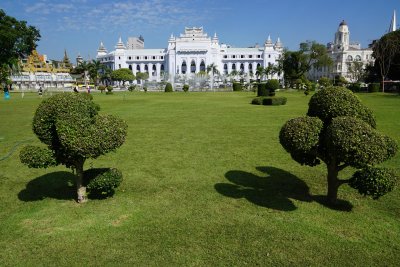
<point x="206" y="183"/>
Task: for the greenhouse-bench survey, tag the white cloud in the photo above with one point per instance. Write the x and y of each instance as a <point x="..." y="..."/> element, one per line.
<point x="118" y="15"/>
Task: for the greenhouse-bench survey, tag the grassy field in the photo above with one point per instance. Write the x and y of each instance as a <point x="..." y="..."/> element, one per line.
<point x="206" y="182"/>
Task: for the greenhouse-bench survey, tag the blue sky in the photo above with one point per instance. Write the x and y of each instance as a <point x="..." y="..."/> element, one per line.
<point x="79" y="25"/>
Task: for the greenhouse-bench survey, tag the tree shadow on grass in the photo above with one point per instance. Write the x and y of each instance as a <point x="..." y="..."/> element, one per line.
<point x="340" y="205"/>
<point x="57" y="185"/>
<point x="273" y="191"/>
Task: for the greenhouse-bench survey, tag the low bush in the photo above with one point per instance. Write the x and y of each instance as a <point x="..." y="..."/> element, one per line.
<point x="257" y="101"/>
<point x="101" y="183"/>
<point x="355" y="87"/>
<point x="168" y="88"/>
<point x="185" y="88"/>
<point x="274" y="101"/>
<point x="374" y="87"/>
<point x="132" y="87"/>
<point x="237" y="87"/>
<point x="87" y="96"/>
<point x="109" y="90"/>
<point x="269" y="101"/>
<point x="101" y="88"/>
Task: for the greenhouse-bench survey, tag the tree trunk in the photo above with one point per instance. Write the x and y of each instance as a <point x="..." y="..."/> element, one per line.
<point x="80" y="189"/>
<point x="333" y="182"/>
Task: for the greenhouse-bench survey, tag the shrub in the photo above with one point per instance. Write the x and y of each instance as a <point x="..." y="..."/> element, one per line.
<point x="269" y="101"/>
<point x="185" y="88"/>
<point x="374" y="87"/>
<point x="87" y="96"/>
<point x="257" y="101"/>
<point x="374" y="182"/>
<point x="271" y="86"/>
<point x="237" y="87"/>
<point x="168" y="88"/>
<point x="109" y="90"/>
<point x="132" y="87"/>
<point x="101" y="88"/>
<point x="274" y="101"/>
<point x="102" y="182"/>
<point x="262" y="89"/>
<point x="355" y="87"/>
<point x="325" y="82"/>
<point x="145" y="89"/>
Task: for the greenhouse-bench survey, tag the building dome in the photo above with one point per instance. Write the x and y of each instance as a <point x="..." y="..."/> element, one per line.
<point x="343" y="23"/>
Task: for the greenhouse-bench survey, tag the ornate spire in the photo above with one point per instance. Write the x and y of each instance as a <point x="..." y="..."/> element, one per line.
<point x="120" y="44"/>
<point x="268" y="42"/>
<point x="278" y="43"/>
<point x="102" y="50"/>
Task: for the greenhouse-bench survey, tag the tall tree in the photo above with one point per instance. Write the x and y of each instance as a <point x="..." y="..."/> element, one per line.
<point x="384" y="52"/>
<point x="311" y="54"/>
<point x="356" y="70"/>
<point x="17" y="40"/>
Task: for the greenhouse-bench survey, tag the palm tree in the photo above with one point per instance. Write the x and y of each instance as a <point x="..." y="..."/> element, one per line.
<point x="106" y="75"/>
<point x="213" y="69"/>
<point x="83" y="69"/>
<point x="94" y="69"/>
<point x="259" y="73"/>
<point x="268" y="70"/>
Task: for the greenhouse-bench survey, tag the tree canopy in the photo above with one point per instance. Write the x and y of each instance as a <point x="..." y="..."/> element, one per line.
<point x="17" y="40"/>
<point x="340" y="131"/>
<point x="122" y="75"/>
<point x="296" y="64"/>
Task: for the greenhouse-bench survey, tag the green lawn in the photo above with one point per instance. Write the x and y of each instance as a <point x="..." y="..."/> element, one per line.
<point x="206" y="182"/>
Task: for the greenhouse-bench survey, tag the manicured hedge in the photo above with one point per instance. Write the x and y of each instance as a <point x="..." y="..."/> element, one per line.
<point x="237" y="87"/>
<point x="374" y="87"/>
<point x="102" y="182"/>
<point x="269" y="101"/>
<point x="168" y="88"/>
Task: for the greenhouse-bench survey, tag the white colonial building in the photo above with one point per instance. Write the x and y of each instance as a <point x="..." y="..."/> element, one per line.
<point x="345" y="56"/>
<point x="190" y="54"/>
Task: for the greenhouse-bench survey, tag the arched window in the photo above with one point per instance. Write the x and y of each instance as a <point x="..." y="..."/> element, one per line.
<point x="241" y="67"/>
<point x="202" y="66"/>
<point x="358" y="58"/>
<point x="146" y="68"/>
<point x="183" y="67"/>
<point x="154" y="71"/>
<point x="226" y="68"/>
<point x="130" y="67"/>
<point x="193" y="67"/>
<point x="250" y="67"/>
<point x="258" y="65"/>
<point x="162" y="67"/>
<point x="138" y="68"/>
<point x="233" y="66"/>
<point x="350" y="58"/>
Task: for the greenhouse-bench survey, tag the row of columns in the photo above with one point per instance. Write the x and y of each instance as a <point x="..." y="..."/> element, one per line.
<point x="153" y="73"/>
<point x="247" y="66"/>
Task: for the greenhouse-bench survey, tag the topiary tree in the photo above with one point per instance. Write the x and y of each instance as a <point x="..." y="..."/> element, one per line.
<point x="272" y="85"/>
<point x="340" y="131"/>
<point x="73" y="131"/>
<point x="168" y="88"/>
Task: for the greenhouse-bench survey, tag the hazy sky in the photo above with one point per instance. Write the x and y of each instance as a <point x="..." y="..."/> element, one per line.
<point x="79" y="25"/>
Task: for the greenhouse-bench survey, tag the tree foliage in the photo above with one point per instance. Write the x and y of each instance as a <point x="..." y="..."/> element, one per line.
<point x="123" y="75"/>
<point x="17" y="40"/>
<point x="72" y="129"/>
<point x="339" y="131"/>
<point x="297" y="63"/>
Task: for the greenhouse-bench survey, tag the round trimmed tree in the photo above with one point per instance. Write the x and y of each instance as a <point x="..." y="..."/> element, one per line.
<point x="340" y="131"/>
<point x="73" y="131"/>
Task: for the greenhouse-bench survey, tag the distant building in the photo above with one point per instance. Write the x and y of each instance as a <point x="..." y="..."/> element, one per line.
<point x="345" y="54"/>
<point x="135" y="43"/>
<point x="190" y="54"/>
<point x="37" y="71"/>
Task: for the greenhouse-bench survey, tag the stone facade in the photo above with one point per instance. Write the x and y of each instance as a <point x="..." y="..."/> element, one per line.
<point x="189" y="54"/>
